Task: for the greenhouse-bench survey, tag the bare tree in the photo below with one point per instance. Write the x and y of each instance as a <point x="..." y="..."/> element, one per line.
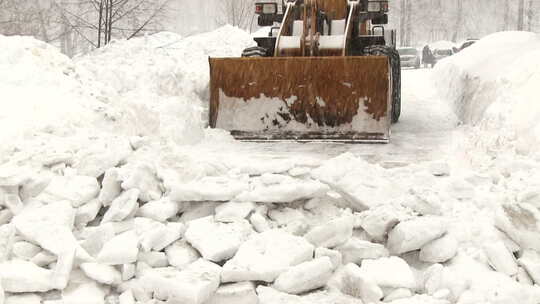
<point x="530" y="15"/>
<point x="235" y="12"/>
<point x="521" y="15"/>
<point x="99" y="21"/>
<point x="458" y="20"/>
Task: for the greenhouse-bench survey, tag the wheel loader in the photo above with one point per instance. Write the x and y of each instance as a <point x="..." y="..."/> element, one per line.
<point x="328" y="72"/>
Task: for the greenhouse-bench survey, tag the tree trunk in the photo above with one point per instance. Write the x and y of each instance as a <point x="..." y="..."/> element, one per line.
<point x="459" y="20"/>
<point x="100" y="23"/>
<point x="402" y="18"/>
<point x="409" y="22"/>
<point x="506" y="15"/>
<point x="521" y="15"/>
<point x="530" y="15"/>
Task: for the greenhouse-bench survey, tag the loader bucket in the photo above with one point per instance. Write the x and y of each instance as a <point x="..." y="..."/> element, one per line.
<point x="301" y="98"/>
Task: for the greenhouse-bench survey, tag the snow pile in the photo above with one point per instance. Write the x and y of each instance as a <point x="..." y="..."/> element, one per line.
<point x="154" y="86"/>
<point x="162" y="80"/>
<point x="43" y="91"/>
<point x="493" y="86"/>
<point x="129" y="235"/>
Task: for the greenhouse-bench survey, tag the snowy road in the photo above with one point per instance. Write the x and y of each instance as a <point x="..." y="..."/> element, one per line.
<point x="423" y="133"/>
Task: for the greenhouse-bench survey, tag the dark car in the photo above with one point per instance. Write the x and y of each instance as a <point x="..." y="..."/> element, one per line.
<point x="442" y="53"/>
<point x="467" y="44"/>
<point x="410" y="57"/>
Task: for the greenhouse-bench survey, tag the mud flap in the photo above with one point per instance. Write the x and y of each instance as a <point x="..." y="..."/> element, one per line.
<point x="302" y="98"/>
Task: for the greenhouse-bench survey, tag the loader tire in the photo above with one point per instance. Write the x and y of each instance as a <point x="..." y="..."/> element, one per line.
<point x="395" y="68"/>
<point x="255" y="51"/>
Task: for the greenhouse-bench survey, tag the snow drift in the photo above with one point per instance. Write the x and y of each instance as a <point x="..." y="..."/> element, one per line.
<point x="493" y="85"/>
<point x="150" y="86"/>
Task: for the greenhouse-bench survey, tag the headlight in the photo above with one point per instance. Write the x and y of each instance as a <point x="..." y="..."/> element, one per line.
<point x="266" y="8"/>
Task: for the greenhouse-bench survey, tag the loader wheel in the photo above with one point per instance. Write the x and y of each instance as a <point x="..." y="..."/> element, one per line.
<point x="395" y="68"/>
<point x="255" y="51"/>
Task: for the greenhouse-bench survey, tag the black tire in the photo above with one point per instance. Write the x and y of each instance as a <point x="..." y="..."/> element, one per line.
<point x="395" y="67"/>
<point x="255" y="51"/>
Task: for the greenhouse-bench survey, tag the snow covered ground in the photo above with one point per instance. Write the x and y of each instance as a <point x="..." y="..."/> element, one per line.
<point x="113" y="191"/>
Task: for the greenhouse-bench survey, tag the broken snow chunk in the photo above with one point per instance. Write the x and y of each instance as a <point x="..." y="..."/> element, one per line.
<point x="439" y="250"/>
<point x="334" y="255"/>
<point x="161" y="236"/>
<point x="87" y="213"/>
<point x="78" y="190"/>
<point x="379" y="220"/>
<point x="111" y="188"/>
<point x="265" y="256"/>
<point x="194" y="285"/>
<point x="126" y="297"/>
<point x="259" y="222"/>
<point x="268" y="295"/>
<point x="83" y="291"/>
<point x="49" y="226"/>
<point x="7" y="235"/>
<point x="523" y="277"/>
<point x="23" y="276"/>
<point x="530" y="260"/>
<point x="43" y="259"/>
<point x="305" y="276"/>
<point x="359" y="285"/>
<point x="34" y="187"/>
<point x="424" y="201"/>
<point x="5" y="216"/>
<point x="63" y="268"/>
<point x="331" y="234"/>
<point x="153" y="258"/>
<point x="198" y="210"/>
<point x="181" y="254"/>
<point x="235" y="293"/>
<point x="233" y="211"/>
<point x="398" y="293"/>
<point x="287" y="190"/>
<point x="28" y="298"/>
<point x="122" y="207"/>
<point x="521" y="222"/>
<point x="97" y="237"/>
<point x="356" y="250"/>
<point x="413" y="234"/>
<point x="500" y="258"/>
<point x="128" y="271"/>
<point x="391" y="272"/>
<point x="122" y="249"/>
<point x="160" y="210"/>
<point x="25" y="250"/>
<point x="361" y="184"/>
<point x="209" y="188"/>
<point x="104" y="274"/>
<point x="217" y="241"/>
<point x="143" y="177"/>
<point x="13" y="203"/>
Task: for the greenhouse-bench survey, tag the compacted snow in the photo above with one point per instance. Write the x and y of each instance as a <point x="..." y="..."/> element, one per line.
<point x="113" y="191"/>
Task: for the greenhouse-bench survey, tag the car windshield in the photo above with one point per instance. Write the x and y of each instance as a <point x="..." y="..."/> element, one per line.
<point x="407" y="51"/>
<point x="444" y="52"/>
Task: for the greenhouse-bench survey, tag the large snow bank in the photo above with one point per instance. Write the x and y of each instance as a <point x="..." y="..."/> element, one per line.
<point x="163" y="79"/>
<point x="41" y="90"/>
<point x="494" y="86"/>
<point x="154" y="86"/>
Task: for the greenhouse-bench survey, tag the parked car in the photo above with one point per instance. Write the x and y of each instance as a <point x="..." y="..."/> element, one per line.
<point x="467" y="44"/>
<point x="410" y="57"/>
<point x="440" y="54"/>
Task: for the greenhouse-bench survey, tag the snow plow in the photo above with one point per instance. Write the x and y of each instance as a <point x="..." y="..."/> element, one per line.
<point x="326" y="73"/>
